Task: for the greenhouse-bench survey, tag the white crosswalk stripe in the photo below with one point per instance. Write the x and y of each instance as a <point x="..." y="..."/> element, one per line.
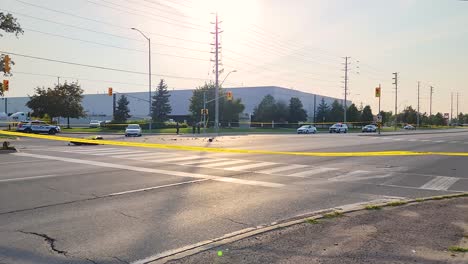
<point x="120" y="153"/>
<point x="140" y="155"/>
<point x="282" y="168"/>
<point x="201" y="161"/>
<point x="175" y="159"/>
<point x="311" y="172"/>
<point x="93" y="150"/>
<point x="250" y="166"/>
<point x="225" y="163"/>
<point x="440" y="183"/>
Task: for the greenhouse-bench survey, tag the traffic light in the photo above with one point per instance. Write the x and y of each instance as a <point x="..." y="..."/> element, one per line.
<point x="109" y="91"/>
<point x="6" y="64"/>
<point x="377" y="91"/>
<point x="6" y="84"/>
<point x="229" y="96"/>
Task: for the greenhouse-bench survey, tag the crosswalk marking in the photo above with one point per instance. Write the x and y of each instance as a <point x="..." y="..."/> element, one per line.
<point x="250" y="166"/>
<point x="120" y="153"/>
<point x="226" y="163"/>
<point x="173" y="159"/>
<point x="440" y="183"/>
<point x="282" y="168"/>
<point x="94" y="150"/>
<point x="140" y="155"/>
<point x="311" y="172"/>
<point x="201" y="161"/>
<point x="439" y="141"/>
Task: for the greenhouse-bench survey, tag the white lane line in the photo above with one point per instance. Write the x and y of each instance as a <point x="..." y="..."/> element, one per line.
<point x="439" y="141"/>
<point x="454" y="142"/>
<point x="311" y="171"/>
<point x="282" y="168"/>
<point x="250" y="166"/>
<point x="175" y="159"/>
<point x="158" y="171"/>
<point x="440" y="183"/>
<point x="425" y="140"/>
<point x="413" y="140"/>
<point x="226" y="163"/>
<point x="156" y="187"/>
<point x="29" y="178"/>
<point x="201" y="161"/>
<point x="118" y="153"/>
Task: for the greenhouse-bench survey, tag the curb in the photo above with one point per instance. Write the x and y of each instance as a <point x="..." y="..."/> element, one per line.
<point x="193" y="249"/>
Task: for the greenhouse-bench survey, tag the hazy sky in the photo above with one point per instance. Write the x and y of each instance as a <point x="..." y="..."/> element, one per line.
<point x="298" y="44"/>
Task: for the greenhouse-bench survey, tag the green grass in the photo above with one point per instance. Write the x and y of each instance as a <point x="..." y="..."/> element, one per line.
<point x="458" y="249"/>
<point x="333" y="215"/>
<point x="312" y="221"/>
<point x="397" y="203"/>
<point x="373" y="207"/>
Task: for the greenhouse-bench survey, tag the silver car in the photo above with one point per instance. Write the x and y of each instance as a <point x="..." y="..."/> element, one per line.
<point x="133" y="130"/>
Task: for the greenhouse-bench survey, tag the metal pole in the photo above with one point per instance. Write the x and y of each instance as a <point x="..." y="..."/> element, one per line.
<point x="430" y="101"/>
<point x="217" y="78"/>
<point x="380" y="95"/>
<point x="346" y="87"/>
<point x="204" y="113"/>
<point x="458" y="121"/>
<point x="149" y="80"/>
<point x="451" y="108"/>
<point x="113" y="106"/>
<point x="417" y="116"/>
<point x="396" y="98"/>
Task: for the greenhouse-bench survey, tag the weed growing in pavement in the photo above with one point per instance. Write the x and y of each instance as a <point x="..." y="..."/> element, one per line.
<point x="312" y="221"/>
<point x="333" y="215"/>
<point x="438" y="198"/>
<point x="397" y="203"/>
<point x="458" y="249"/>
<point x="419" y="200"/>
<point x="373" y="207"/>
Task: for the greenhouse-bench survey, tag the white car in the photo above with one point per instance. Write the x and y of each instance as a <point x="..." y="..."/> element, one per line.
<point x="307" y="129"/>
<point x="338" y="128"/>
<point x="95" y="123"/>
<point x="37" y="126"/>
<point x="133" y="130"/>
<point x="409" y="127"/>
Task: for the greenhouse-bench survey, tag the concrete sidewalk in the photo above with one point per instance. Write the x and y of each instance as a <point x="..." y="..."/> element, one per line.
<point x="433" y="231"/>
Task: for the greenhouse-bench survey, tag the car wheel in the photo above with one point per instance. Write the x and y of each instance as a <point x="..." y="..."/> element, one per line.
<point x="28" y="130"/>
<point x="52" y="131"/>
<point x="346" y="131"/>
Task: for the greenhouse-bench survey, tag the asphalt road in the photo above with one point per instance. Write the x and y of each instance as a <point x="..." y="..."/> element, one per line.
<point x="112" y="204"/>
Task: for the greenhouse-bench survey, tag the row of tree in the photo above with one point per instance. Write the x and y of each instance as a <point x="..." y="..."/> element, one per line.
<point x="271" y="110"/>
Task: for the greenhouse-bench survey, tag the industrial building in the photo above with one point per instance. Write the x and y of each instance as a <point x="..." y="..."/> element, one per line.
<point x="99" y="106"/>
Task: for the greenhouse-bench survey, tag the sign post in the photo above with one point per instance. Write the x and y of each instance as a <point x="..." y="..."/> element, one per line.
<point x="378" y="93"/>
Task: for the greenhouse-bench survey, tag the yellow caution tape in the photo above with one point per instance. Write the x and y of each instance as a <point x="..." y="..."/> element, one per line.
<point x="239" y="151"/>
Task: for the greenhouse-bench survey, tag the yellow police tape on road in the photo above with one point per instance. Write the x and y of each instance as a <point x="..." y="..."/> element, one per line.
<point x="239" y="151"/>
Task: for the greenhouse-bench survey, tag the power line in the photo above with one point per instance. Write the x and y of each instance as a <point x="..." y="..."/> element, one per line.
<point x="179" y="13"/>
<point x="112" y="46"/>
<point x="151" y="16"/>
<point x="103" y="33"/>
<point x="100" y="67"/>
<point x="106" y="23"/>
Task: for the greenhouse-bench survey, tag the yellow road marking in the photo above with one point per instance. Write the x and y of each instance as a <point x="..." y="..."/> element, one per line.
<point x="239" y="151"/>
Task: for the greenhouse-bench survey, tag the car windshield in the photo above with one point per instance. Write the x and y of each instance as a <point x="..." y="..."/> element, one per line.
<point x="94" y="121"/>
<point x="133" y="127"/>
<point x="305" y="126"/>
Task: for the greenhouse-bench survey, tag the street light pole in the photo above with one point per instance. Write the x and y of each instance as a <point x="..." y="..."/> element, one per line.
<point x="149" y="75"/>
<point x="227" y="76"/>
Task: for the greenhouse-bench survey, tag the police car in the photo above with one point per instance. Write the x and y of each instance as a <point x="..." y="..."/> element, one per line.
<point x="37" y="126"/>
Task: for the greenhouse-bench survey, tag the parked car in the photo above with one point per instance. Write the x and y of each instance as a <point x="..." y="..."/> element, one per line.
<point x="338" y="128"/>
<point x="133" y="130"/>
<point x="37" y="126"/>
<point x="409" y="127"/>
<point x="369" y="128"/>
<point x="95" y="123"/>
<point x="307" y="129"/>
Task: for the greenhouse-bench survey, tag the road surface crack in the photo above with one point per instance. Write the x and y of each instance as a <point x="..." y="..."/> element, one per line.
<point x="234" y="221"/>
<point x="50" y="241"/>
<point x="121" y="260"/>
<point x="130" y="216"/>
<point x="92" y="261"/>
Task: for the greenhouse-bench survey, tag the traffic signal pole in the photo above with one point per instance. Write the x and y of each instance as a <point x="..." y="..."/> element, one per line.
<point x="380" y="96"/>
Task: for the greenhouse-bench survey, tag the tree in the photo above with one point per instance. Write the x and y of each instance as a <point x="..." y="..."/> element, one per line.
<point x="386" y="116"/>
<point x="408" y="115"/>
<point x="229" y="111"/>
<point x="8" y="24"/>
<point x="60" y="101"/>
<point x="336" y="112"/>
<point x="281" y="111"/>
<point x="323" y="111"/>
<point x="266" y="110"/>
<point x="161" y="107"/>
<point x="437" y="119"/>
<point x="367" y="116"/>
<point x="122" y="112"/>
<point x="296" y="111"/>
<point x="352" y="113"/>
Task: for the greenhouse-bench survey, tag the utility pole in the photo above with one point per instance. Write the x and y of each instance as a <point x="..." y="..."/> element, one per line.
<point x="396" y="97"/>
<point x="451" y="107"/>
<point x="430" y="101"/>
<point x="458" y="121"/>
<point x="417" y="115"/>
<point x="216" y="52"/>
<point x="345" y="87"/>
